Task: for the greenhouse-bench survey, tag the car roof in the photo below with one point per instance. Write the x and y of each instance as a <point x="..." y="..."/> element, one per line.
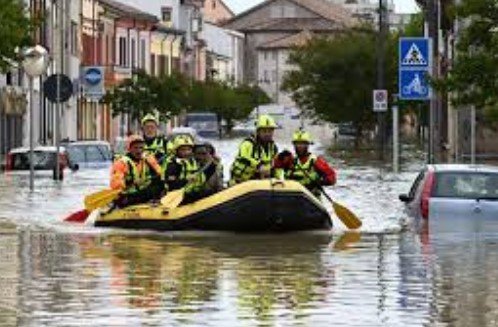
<point x="88" y="142"/>
<point x="464" y="168"/>
<point x="37" y="149"/>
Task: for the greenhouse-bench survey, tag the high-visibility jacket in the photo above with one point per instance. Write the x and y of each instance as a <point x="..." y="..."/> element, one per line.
<point x="309" y="170"/>
<point x="131" y="176"/>
<point x="178" y="172"/>
<point x="252" y="156"/>
<point x="156" y="146"/>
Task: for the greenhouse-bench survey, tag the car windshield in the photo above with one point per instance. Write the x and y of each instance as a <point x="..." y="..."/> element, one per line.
<point x="466" y="185"/>
<point x="89" y="153"/>
<point x="42" y="160"/>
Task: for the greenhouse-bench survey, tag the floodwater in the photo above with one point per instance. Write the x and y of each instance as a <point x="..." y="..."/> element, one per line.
<point x="393" y="273"/>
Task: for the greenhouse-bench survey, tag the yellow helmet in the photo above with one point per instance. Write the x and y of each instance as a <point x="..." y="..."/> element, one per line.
<point x="182" y="140"/>
<point x="265" y="121"/>
<point x="302" y="136"/>
<point x="150" y="117"/>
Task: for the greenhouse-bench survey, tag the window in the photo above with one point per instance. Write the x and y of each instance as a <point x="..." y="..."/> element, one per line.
<point x="265" y="76"/>
<point x="123" y="54"/>
<point x="265" y="54"/>
<point x="152" y="65"/>
<point x="213" y="5"/>
<point x="274" y="55"/>
<point x="142" y="54"/>
<point x="133" y="54"/>
<point x="166" y="14"/>
<point x="73" y="42"/>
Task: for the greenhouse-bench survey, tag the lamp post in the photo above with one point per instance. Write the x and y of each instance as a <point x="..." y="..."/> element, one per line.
<point x="35" y="62"/>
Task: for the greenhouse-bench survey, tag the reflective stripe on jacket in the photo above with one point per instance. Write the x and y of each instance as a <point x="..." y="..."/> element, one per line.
<point x="131" y="176"/>
<point x="252" y="155"/>
<point x="178" y="172"/>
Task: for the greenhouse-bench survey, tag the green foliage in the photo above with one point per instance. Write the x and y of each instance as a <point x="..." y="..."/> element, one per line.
<point x="230" y="103"/>
<point x="473" y="79"/>
<point x="336" y="76"/>
<point x="416" y="26"/>
<point x="15" y="31"/>
<point x="145" y="94"/>
<point x="170" y="95"/>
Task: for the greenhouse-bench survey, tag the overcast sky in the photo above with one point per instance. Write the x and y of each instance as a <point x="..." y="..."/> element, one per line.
<point x="154" y="6"/>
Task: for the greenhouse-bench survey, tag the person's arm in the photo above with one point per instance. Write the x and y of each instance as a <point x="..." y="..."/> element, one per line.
<point x="172" y="178"/>
<point x="326" y="172"/>
<point x="118" y="175"/>
<point x="245" y="154"/>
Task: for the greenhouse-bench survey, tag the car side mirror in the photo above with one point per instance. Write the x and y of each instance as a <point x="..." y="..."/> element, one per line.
<point x="404" y="198"/>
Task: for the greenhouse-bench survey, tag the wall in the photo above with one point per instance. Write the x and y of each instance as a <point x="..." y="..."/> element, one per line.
<point x="215" y="11"/>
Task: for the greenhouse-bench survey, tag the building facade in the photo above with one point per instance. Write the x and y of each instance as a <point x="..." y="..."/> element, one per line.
<point x="272" y="28"/>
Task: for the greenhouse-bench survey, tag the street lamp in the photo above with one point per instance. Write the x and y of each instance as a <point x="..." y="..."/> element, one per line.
<point x="35" y="62"/>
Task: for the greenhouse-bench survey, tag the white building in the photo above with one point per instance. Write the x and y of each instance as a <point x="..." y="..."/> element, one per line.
<point x="14" y="113"/>
<point x="224" y="53"/>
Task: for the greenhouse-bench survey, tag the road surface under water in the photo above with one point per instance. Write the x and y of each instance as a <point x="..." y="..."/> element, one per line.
<point x="392" y="274"/>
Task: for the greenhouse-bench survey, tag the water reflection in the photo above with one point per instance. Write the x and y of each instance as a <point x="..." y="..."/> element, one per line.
<point x="411" y="279"/>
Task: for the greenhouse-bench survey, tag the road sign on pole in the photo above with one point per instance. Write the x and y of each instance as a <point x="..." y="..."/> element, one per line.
<point x="415" y="65"/>
<point x="380" y="100"/>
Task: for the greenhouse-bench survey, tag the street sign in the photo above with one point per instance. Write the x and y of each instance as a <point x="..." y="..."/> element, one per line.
<point x="92" y="82"/>
<point x="65" y="88"/>
<point x="415" y="65"/>
<point x="415" y="85"/>
<point x="414" y="52"/>
<point x="380" y="100"/>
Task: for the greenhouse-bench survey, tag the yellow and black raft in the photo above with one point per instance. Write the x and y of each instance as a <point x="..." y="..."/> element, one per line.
<point x="253" y="206"/>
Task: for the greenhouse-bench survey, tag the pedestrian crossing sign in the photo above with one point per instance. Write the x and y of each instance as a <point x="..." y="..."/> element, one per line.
<point x="415" y="65"/>
<point x="414" y="53"/>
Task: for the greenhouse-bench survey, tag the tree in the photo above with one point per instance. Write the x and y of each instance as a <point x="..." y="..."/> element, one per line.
<point x="143" y="94"/>
<point x="15" y="31"/>
<point x="473" y="78"/>
<point x="230" y="103"/>
<point x="335" y="77"/>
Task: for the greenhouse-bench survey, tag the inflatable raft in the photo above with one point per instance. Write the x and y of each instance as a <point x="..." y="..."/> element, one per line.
<point x="253" y="206"/>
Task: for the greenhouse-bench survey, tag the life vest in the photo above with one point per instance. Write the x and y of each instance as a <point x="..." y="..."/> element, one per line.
<point x="251" y="155"/>
<point x="136" y="180"/>
<point x="187" y="168"/>
<point x="305" y="173"/>
<point x="157" y="147"/>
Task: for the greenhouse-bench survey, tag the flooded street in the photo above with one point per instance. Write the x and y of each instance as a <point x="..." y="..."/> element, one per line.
<point x="392" y="274"/>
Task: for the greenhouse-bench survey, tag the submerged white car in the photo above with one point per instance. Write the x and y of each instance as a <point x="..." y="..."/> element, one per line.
<point x="458" y="194"/>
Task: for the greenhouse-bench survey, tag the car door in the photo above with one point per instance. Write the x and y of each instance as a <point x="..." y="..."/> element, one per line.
<point x="413" y="206"/>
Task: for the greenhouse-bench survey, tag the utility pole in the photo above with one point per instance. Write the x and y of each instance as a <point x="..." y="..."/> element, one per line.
<point x="434" y="114"/>
<point x="381" y="37"/>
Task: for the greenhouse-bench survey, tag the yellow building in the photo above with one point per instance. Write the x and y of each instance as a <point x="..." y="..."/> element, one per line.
<point x="165" y="54"/>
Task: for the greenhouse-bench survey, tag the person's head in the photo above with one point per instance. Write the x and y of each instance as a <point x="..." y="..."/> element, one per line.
<point x="202" y="153"/>
<point x="183" y="146"/>
<point x="150" y="125"/>
<point x="265" y="128"/>
<point x="135" y="146"/>
<point x="301" y="141"/>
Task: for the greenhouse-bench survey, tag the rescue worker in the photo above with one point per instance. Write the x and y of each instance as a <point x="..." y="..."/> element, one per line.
<point x="155" y="143"/>
<point x="205" y="155"/>
<point x="181" y="170"/>
<point x="138" y="176"/>
<point x="310" y="170"/>
<point x="256" y="153"/>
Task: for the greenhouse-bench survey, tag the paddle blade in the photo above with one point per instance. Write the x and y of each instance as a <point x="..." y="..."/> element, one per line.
<point x="77" y="217"/>
<point x="173" y="199"/>
<point x="100" y="199"/>
<point x="346" y="216"/>
<point x="346" y="240"/>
